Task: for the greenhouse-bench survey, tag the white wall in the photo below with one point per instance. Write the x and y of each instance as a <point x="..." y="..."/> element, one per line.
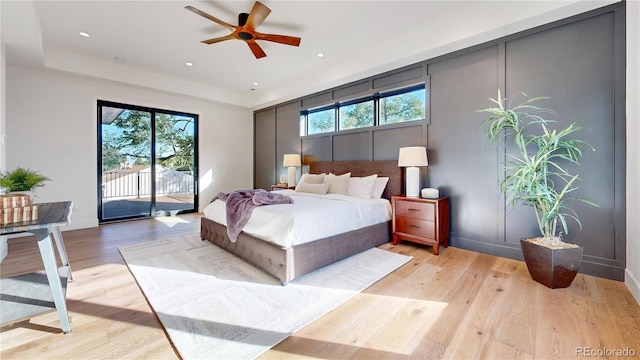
<point x="3" y="101"/>
<point x="632" y="275"/>
<point x="52" y="128"/>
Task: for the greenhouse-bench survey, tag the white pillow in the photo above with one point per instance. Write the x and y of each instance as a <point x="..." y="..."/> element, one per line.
<point x="312" y="188"/>
<point x="378" y="187"/>
<point x="361" y="187"/>
<point x="312" y="178"/>
<point x="337" y="184"/>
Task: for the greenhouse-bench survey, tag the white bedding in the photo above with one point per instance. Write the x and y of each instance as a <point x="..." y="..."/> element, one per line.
<point x="309" y="218"/>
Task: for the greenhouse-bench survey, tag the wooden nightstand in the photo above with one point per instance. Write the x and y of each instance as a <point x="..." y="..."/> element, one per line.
<point x="425" y="221"/>
<point x="282" y="187"/>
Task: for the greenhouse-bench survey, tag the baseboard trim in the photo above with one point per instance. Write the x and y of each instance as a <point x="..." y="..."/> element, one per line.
<point x="80" y="224"/>
<point x="590" y="265"/>
<point x="511" y="251"/>
<point x="633" y="284"/>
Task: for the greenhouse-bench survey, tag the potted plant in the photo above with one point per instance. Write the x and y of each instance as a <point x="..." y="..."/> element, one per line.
<point x="22" y="180"/>
<point x="537" y="176"/>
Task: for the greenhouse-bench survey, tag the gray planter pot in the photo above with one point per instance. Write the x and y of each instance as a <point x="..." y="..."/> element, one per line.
<point x="554" y="268"/>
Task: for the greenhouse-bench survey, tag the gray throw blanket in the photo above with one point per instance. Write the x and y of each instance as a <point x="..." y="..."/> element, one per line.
<point x="240" y="205"/>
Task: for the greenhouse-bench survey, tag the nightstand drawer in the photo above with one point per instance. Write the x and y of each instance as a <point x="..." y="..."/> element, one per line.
<point x="416" y="210"/>
<point x="415" y="227"/>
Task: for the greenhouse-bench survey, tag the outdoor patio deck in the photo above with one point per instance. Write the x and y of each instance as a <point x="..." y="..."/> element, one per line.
<point x="118" y="208"/>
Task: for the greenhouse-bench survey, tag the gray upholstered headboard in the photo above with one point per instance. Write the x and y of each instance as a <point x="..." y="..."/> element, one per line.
<point x="364" y="168"/>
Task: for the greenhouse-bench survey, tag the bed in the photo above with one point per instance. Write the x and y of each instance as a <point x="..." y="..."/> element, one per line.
<point x="288" y="263"/>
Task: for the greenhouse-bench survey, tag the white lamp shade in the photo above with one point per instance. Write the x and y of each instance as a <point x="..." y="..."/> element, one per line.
<point x="410" y="157"/>
<point x="291" y="160"/>
<point x="413" y="156"/>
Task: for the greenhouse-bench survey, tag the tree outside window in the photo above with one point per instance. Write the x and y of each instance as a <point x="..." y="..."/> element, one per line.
<point x="356" y="115"/>
<point x="322" y="121"/>
<point x="403" y="107"/>
<point x="128" y="140"/>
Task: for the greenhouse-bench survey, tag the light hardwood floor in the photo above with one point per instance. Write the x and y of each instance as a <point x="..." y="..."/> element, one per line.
<point x="458" y="305"/>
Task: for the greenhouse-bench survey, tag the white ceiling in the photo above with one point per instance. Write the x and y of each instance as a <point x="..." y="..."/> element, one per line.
<point x="157" y="38"/>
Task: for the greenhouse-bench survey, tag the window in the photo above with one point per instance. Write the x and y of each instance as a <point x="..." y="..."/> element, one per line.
<point x="389" y="107"/>
<point x="356" y="115"/>
<point x="405" y="106"/>
<point x="321" y="121"/>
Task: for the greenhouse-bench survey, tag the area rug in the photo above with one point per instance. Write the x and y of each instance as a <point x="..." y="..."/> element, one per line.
<point x="215" y="305"/>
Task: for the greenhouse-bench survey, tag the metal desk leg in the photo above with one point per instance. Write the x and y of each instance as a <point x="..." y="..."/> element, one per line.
<point x="62" y="251"/>
<point x="51" y="268"/>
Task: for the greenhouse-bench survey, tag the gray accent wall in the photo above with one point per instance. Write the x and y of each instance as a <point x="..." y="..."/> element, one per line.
<point x="277" y="132"/>
<point x="577" y="72"/>
<point x="462" y="164"/>
<point x="578" y="62"/>
<point x="287" y="135"/>
<point x="265" y="149"/>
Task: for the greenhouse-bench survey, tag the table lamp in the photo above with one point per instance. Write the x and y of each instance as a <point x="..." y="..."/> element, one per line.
<point x="411" y="157"/>
<point x="292" y="161"/>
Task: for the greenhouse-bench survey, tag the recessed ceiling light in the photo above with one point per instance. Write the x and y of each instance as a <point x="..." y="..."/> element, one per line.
<point x="119" y="59"/>
<point x="255" y="84"/>
<point x="320" y="55"/>
<point x="84" y="34"/>
<point x="189" y="64"/>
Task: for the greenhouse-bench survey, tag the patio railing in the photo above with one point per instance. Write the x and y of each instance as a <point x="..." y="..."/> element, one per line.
<point x="138" y="183"/>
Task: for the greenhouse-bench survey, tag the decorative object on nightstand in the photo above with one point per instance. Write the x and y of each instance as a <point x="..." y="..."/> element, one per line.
<point x="292" y="161"/>
<point x="424" y="221"/>
<point x="430" y="193"/>
<point x="411" y="157"/>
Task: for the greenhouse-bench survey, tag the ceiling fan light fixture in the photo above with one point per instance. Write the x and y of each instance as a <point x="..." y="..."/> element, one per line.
<point x="246" y="29"/>
<point x="245" y="35"/>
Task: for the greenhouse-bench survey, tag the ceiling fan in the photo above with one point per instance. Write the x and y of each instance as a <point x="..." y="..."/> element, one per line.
<point x="246" y="29"/>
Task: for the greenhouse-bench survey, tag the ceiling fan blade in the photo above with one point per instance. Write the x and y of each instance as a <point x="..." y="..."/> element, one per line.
<point x="218" y="39"/>
<point x="256" y="49"/>
<point x="282" y="39"/>
<point x="212" y="18"/>
<point x="258" y="13"/>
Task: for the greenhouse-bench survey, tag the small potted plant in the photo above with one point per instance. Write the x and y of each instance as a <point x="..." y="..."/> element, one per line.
<point x="537" y="176"/>
<point x="21" y="180"/>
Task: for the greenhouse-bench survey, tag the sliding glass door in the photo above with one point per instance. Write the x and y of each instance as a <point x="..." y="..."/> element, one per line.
<point x="147" y="162"/>
<point x="174" y="158"/>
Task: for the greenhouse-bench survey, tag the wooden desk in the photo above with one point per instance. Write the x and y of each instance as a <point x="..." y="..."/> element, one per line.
<point x="50" y="217"/>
